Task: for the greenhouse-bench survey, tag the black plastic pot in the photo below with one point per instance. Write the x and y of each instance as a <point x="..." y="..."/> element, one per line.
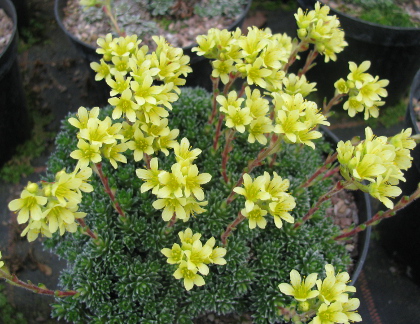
<point x="400" y="235"/>
<point x="14" y="120"/>
<point x="200" y="65"/>
<point x="393" y="51"/>
<point x="364" y="209"/>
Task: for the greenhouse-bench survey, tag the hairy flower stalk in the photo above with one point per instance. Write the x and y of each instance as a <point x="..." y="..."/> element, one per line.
<point x="215" y="84"/>
<point x="232" y="227"/>
<point x="333" y="101"/>
<point x="317" y="174"/>
<point x="86" y="229"/>
<point x="38" y="289"/>
<point x="402" y="203"/>
<point x="309" y="62"/>
<point x="230" y="135"/>
<point x="264" y="153"/>
<point x="104" y="180"/>
<point x="340" y="185"/>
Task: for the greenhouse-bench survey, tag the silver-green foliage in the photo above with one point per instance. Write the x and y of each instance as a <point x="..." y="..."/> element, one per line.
<point x="124" y="278"/>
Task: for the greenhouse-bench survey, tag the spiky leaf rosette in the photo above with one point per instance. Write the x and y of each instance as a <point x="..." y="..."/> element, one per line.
<point x="124" y="278"/>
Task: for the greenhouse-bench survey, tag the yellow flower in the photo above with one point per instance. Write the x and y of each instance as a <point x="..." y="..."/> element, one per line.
<point x="105" y="47"/>
<point x="188" y="238"/>
<point x="255" y="217"/>
<point x="300" y="289"/>
<point x="171" y="206"/>
<point x="183" y="153"/>
<point x="102" y="69"/>
<point x="174" y="255"/>
<point x="34" y="228"/>
<point x="144" y="90"/>
<point x="252" y="191"/>
<point x="357" y="73"/>
<point x="238" y="119"/>
<point x="119" y="85"/>
<point x="279" y="210"/>
<point x="113" y="153"/>
<point x="294" y="84"/>
<point x="172" y="183"/>
<point x="258" y="106"/>
<point x="258" y="129"/>
<point x="349" y="309"/>
<point x="167" y="141"/>
<point x="86" y="153"/>
<point x="190" y="277"/>
<point x="66" y="188"/>
<point x="222" y="69"/>
<point x="330" y="314"/>
<point x="196" y="257"/>
<point x="232" y="100"/>
<point x="151" y="177"/>
<point x="255" y="73"/>
<point x="29" y="204"/>
<point x="193" y="182"/>
<point x="192" y="207"/>
<point x="1" y="262"/>
<point x="140" y="145"/>
<point x="83" y="116"/>
<point x="120" y="65"/>
<point x="381" y="190"/>
<point x="124" y="105"/>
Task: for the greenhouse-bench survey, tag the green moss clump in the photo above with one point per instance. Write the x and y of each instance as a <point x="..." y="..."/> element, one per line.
<point x="124" y="278"/>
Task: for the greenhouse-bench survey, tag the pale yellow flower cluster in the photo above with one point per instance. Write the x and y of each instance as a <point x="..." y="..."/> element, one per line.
<point x="294" y="117"/>
<point x="266" y="196"/>
<point x="1" y="262"/>
<point x="257" y="57"/>
<point x="297" y="118"/>
<point x="143" y="87"/>
<point x="375" y="165"/>
<point x="179" y="192"/>
<point x="330" y="301"/>
<point x="192" y="258"/>
<point x="318" y="28"/>
<point x="53" y="206"/>
<point x="364" y="91"/>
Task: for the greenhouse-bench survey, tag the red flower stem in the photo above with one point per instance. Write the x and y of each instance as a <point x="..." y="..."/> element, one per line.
<point x="147" y="159"/>
<point x="402" y="203"/>
<point x="108" y="190"/>
<point x="241" y="92"/>
<point x="172" y="221"/>
<point x="232" y="227"/>
<point x="216" y="91"/>
<point x="302" y="46"/>
<point x="265" y="152"/>
<point x="330" y="159"/>
<point x="86" y="228"/>
<point x="308" y="64"/>
<point x="232" y="78"/>
<point x="218" y="131"/>
<point x="337" y="188"/>
<point x="330" y="173"/>
<point x="15" y="281"/>
<point x="225" y="155"/>
<point x="334" y="101"/>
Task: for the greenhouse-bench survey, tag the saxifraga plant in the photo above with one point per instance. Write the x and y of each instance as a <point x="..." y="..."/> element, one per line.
<point x="219" y="219"/>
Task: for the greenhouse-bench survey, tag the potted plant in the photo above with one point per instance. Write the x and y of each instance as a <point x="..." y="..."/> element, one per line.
<point x="217" y="202"/>
<point x="13" y="114"/>
<point x="180" y="20"/>
<point x="394" y="49"/>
